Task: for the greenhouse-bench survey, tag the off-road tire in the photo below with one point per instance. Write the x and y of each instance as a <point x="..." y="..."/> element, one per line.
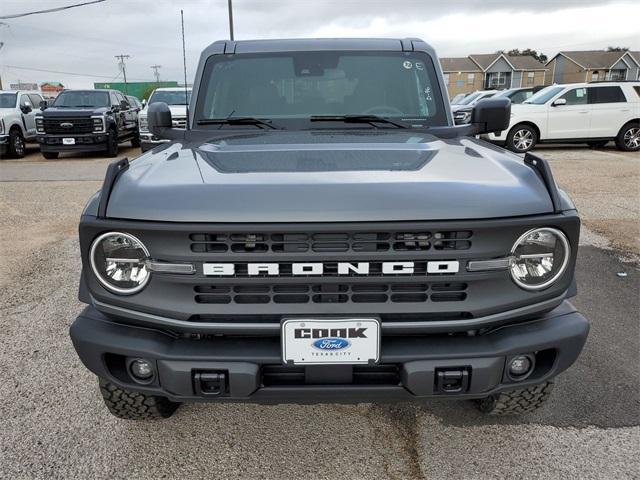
<point x="628" y="139"/>
<point x="516" y="402"/>
<point x="17" y="147"/>
<point x="50" y="155"/>
<point x="130" y="405"/>
<point x="515" y="144"/>
<point x="112" y="144"/>
<point x="135" y="141"/>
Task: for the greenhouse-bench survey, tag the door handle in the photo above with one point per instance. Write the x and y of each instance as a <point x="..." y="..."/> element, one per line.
<point x="583" y="111"/>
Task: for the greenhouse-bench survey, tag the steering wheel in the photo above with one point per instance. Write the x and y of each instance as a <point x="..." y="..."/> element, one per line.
<point x="383" y="110"/>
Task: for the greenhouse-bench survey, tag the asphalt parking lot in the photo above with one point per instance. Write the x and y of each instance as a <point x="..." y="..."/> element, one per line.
<point x="54" y="424"/>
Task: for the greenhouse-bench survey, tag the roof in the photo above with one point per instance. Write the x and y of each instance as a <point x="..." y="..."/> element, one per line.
<point x="458" y="64"/>
<point x="518" y="62"/>
<point x="171" y="89"/>
<point x="593" y="59"/>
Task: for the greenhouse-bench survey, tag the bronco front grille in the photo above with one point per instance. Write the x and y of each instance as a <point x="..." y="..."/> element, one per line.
<point x="283" y="243"/>
<point x="331" y="293"/>
<point x="78" y="125"/>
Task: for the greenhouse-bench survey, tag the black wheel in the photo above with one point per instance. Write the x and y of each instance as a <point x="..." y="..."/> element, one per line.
<point x="112" y="144"/>
<point x="16" y="143"/>
<point x="515" y="402"/>
<point x="598" y="144"/>
<point x="134" y="405"/>
<point x="50" y="155"/>
<point x="135" y="141"/>
<point x="521" y="138"/>
<point x="628" y="139"/>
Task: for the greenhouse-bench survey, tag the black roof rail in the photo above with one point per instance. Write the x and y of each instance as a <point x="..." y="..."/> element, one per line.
<point x="113" y="172"/>
<point x="541" y="166"/>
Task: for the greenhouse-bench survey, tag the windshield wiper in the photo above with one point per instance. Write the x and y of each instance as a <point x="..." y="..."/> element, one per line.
<point x="370" y="119"/>
<point x="237" y="121"/>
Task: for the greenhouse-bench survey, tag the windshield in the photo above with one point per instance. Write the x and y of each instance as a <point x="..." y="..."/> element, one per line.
<point x="8" y="100"/>
<point x="470" y="98"/>
<point x="300" y="85"/>
<point x="173" y="97"/>
<point x="544" y="95"/>
<point x="82" y="98"/>
<point x="458" y="98"/>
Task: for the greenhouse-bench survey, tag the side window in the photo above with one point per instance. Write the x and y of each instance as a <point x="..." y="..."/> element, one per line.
<point x="24" y="100"/>
<point x="35" y="99"/>
<point x="576" y="96"/>
<point x="606" y="95"/>
<point x="520" y="96"/>
<point x="114" y="99"/>
<point x="121" y="98"/>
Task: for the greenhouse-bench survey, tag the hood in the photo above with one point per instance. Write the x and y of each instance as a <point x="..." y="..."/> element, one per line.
<point x="327" y="177"/>
<point x="176" y="110"/>
<point x="74" y="112"/>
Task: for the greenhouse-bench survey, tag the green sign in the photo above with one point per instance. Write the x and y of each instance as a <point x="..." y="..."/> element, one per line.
<point x="137" y="89"/>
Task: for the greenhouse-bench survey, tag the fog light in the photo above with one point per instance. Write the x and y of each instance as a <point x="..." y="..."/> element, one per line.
<point x="141" y="369"/>
<point x="520" y="366"/>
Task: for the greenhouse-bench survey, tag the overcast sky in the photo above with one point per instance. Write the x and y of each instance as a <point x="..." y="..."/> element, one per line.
<point x="83" y="41"/>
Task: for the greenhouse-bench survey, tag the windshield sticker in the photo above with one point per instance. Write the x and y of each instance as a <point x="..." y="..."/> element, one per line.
<point x="407" y="64"/>
<point x="420" y="65"/>
<point x="427" y="93"/>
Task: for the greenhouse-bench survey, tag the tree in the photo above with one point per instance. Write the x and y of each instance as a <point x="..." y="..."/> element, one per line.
<point x="146" y="93"/>
<point x="617" y="49"/>
<point x="528" y="52"/>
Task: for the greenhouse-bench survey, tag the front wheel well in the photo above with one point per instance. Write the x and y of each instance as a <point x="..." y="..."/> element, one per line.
<point x="528" y="124"/>
<point x="17" y="127"/>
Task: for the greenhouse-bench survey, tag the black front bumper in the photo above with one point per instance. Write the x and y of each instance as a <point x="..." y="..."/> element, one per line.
<point x="253" y="370"/>
<point x="87" y="142"/>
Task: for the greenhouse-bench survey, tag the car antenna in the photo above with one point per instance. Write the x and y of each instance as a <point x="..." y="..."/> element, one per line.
<point x="184" y="65"/>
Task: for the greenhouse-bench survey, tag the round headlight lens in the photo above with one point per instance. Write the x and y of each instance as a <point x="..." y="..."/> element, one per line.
<point x="119" y="261"/>
<point x="539" y="258"/>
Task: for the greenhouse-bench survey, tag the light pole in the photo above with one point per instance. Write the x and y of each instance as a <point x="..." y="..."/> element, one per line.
<point x="230" y="20"/>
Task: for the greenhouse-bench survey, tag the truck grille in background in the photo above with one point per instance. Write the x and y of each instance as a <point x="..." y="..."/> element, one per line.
<point x="79" y="125"/>
<point x="331" y="293"/>
<point x="329" y="242"/>
<point x="179" y="122"/>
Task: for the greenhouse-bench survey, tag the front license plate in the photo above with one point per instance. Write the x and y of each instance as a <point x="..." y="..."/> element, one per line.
<point x="330" y="341"/>
<point x="68" y="141"/>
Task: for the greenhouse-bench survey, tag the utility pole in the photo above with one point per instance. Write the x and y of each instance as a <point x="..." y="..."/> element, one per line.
<point x="2" y="24"/>
<point x="124" y="70"/>
<point x="230" y="20"/>
<point x="156" y="72"/>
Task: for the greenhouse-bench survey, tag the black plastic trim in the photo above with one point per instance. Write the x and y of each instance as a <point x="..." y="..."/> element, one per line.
<point x="541" y="166"/>
<point x="113" y="172"/>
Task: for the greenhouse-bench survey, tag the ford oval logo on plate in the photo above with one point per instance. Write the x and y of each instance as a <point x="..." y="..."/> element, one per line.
<point x="331" y="344"/>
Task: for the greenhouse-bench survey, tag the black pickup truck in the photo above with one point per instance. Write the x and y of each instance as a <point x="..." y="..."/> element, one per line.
<point x="87" y="121"/>
<point x="323" y="232"/>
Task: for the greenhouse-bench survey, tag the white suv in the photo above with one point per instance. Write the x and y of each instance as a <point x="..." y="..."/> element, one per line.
<point x="17" y="120"/>
<point x="592" y="113"/>
<point x="177" y="99"/>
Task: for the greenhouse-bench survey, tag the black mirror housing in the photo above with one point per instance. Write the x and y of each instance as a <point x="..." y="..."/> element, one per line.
<point x="124" y="105"/>
<point x="491" y="115"/>
<point x="43" y="104"/>
<point x="160" y="122"/>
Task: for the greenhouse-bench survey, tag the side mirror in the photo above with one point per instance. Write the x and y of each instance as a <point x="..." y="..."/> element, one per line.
<point x="144" y="102"/>
<point x="26" y="108"/>
<point x="124" y="105"/>
<point x="160" y="122"/>
<point x="559" y="101"/>
<point x="491" y="115"/>
<point x="43" y="104"/>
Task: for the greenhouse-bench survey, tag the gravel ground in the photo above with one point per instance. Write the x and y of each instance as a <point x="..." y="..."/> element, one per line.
<point x="55" y="426"/>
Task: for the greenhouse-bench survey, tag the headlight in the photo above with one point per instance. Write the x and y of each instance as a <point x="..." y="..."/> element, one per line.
<point x="98" y="124"/>
<point x="119" y="261"/>
<point x="39" y="125"/>
<point x="539" y="258"/>
<point x="144" y="125"/>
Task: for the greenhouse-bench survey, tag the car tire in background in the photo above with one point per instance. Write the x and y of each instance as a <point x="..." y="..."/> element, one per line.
<point x="112" y="144"/>
<point x="16" y="143"/>
<point x="515" y="402"/>
<point x="131" y="405"/>
<point x="521" y="138"/>
<point x="628" y="139"/>
<point x="135" y="141"/>
<point x="50" y="155"/>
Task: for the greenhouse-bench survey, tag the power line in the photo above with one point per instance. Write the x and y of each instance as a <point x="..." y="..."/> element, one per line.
<point x="49" y="10"/>
<point x="124" y="69"/>
<point x="156" y="72"/>
<point x="72" y="73"/>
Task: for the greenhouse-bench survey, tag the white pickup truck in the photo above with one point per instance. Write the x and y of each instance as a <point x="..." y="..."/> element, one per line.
<point x="17" y="120"/>
<point x="592" y="113"/>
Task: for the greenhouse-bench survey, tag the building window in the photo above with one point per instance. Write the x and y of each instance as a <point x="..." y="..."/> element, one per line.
<point x="471" y="78"/>
<point x="530" y="77"/>
<point x="594" y="76"/>
<point x="616" y="75"/>
<point x="498" y="80"/>
<point x="446" y="78"/>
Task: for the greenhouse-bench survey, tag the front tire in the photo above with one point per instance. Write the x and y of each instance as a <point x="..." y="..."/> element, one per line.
<point x="130" y="405"/>
<point x="516" y="402"/>
<point x="521" y="138"/>
<point x="17" y="147"/>
<point x="135" y="141"/>
<point x="628" y="139"/>
<point x="112" y="144"/>
<point x="50" y="155"/>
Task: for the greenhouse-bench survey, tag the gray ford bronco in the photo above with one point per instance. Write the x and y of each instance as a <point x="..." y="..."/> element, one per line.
<point x="322" y="232"/>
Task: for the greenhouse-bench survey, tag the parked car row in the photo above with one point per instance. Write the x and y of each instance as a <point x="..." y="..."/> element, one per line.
<point x="592" y="113"/>
<point x="82" y="120"/>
